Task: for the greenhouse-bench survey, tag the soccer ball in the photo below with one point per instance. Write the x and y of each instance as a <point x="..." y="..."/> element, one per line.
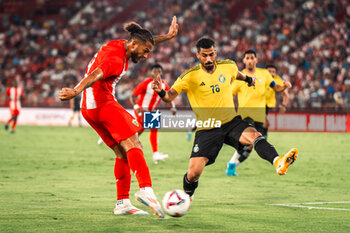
<point x="176" y="203"/>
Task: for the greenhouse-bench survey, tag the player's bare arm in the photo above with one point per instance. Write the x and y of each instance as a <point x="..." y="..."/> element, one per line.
<point x="172" y="107"/>
<point x="167" y="96"/>
<point x="283" y="106"/>
<point x="173" y="29"/>
<point x="280" y="88"/>
<point x="285" y="97"/>
<point x="69" y="93"/>
<point x="246" y="78"/>
<point x="133" y="100"/>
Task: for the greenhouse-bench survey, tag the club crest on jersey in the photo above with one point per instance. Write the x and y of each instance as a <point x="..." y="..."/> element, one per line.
<point x="135" y="122"/>
<point x="260" y="80"/>
<point x="222" y="78"/>
<point x="196" y="148"/>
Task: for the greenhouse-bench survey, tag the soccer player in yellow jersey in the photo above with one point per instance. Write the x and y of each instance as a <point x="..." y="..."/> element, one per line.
<point x="271" y="96"/>
<point x="209" y="90"/>
<point x="252" y="103"/>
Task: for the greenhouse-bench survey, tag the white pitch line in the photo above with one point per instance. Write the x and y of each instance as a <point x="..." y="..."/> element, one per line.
<point x="312" y="207"/>
<point x="330" y="202"/>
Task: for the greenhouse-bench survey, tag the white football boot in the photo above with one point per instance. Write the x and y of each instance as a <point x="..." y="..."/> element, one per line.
<point x="146" y="196"/>
<point x="157" y="156"/>
<point x="100" y="141"/>
<point x="124" y="206"/>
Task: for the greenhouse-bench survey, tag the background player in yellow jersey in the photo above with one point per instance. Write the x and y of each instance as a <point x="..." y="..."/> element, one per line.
<point x="271" y="99"/>
<point x="209" y="90"/>
<point x="252" y="103"/>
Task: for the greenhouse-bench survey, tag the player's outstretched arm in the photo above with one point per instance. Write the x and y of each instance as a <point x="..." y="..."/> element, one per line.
<point x="69" y="93"/>
<point x="285" y="98"/>
<point x="133" y="101"/>
<point x="172" y="107"/>
<point x="173" y="29"/>
<point x="246" y="78"/>
<point x="280" y="88"/>
<point x="283" y="107"/>
<point x="167" y="96"/>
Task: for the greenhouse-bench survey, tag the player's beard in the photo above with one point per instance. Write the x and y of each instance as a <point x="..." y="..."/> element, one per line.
<point x="209" y="66"/>
<point x="251" y="68"/>
<point x="134" y="57"/>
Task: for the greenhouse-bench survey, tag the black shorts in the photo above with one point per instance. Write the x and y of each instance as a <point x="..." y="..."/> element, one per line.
<point x="208" y="143"/>
<point x="267" y="110"/>
<point x="76" y="107"/>
<point x="259" y="126"/>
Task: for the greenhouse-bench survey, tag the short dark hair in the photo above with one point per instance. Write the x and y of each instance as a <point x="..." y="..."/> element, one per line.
<point x="249" y="51"/>
<point x="136" y="31"/>
<point x="205" y="43"/>
<point x="271" y="66"/>
<point x="156" y="66"/>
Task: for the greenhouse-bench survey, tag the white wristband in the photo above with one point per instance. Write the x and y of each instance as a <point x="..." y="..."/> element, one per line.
<point x="136" y="106"/>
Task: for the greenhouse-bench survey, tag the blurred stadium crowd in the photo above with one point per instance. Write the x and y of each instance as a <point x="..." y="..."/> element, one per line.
<point x="308" y="41"/>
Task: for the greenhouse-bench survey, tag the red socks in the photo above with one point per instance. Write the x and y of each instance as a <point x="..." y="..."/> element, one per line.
<point x="14" y="122"/>
<point x="13" y="125"/>
<point x="138" y="165"/>
<point x="123" y="178"/>
<point x="153" y="137"/>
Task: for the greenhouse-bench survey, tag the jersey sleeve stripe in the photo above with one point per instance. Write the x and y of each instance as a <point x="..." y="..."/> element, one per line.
<point x="223" y="62"/>
<point x="188" y="71"/>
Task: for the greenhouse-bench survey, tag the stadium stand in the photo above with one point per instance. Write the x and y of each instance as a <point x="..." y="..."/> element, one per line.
<point x="307" y="40"/>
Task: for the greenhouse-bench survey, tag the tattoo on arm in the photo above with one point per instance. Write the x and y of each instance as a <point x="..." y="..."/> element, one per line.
<point x="160" y="39"/>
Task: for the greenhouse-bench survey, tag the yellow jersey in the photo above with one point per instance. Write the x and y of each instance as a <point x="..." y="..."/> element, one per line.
<point x="252" y="100"/>
<point x="210" y="95"/>
<point x="271" y="94"/>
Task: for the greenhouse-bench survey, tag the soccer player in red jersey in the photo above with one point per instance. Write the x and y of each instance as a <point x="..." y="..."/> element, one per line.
<point x="14" y="95"/>
<point x="111" y="121"/>
<point x="144" y="98"/>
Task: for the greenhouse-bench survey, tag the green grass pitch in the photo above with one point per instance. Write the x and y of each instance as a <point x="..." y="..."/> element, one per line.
<point x="57" y="179"/>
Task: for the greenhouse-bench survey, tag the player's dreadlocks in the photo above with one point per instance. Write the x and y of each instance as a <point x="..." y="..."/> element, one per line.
<point x="136" y="31"/>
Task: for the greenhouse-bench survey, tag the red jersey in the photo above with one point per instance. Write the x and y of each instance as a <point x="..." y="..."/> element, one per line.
<point x="112" y="59"/>
<point x="149" y="99"/>
<point x="14" y="94"/>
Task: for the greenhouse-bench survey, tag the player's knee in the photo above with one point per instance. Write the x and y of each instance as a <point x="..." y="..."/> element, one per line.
<point x="138" y="144"/>
<point x="252" y="136"/>
<point x="255" y="136"/>
<point x="249" y="135"/>
<point x="119" y="152"/>
<point x="130" y="143"/>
